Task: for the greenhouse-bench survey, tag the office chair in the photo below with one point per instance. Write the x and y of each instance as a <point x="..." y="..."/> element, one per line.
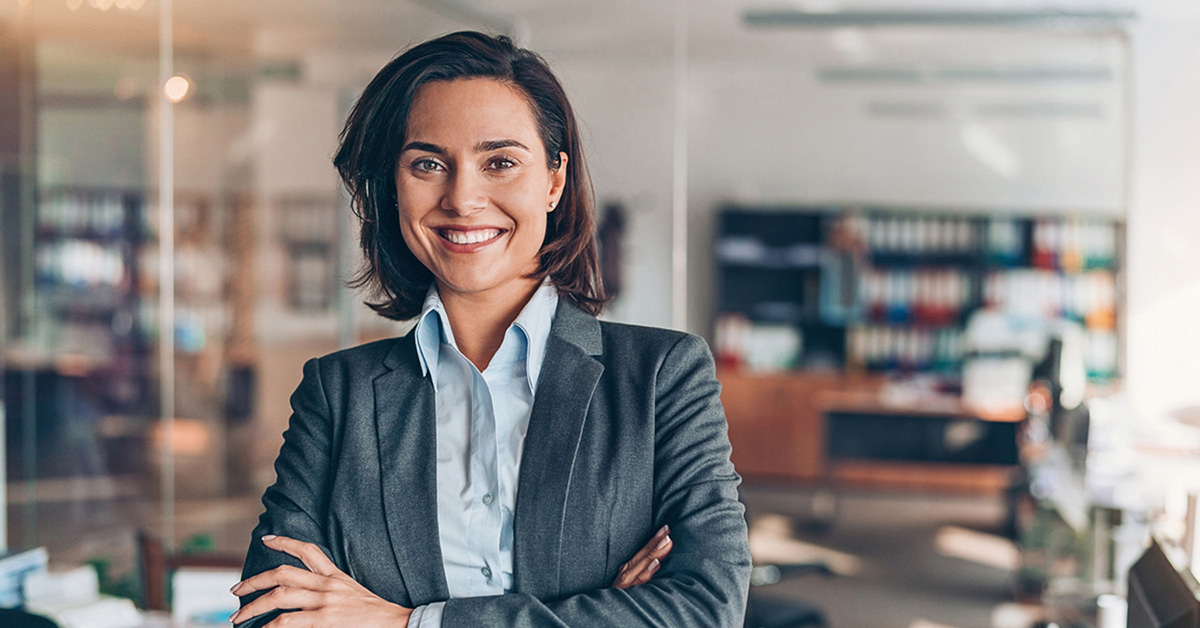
<point x="157" y="565"/>
<point x="766" y="612"/>
<point x="763" y="612"/>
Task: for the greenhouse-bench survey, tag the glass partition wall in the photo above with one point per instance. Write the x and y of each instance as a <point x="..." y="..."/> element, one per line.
<point x="176" y="243"/>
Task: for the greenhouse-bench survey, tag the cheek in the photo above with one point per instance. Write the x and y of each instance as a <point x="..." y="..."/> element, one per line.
<point x="533" y="225"/>
<point x="411" y="234"/>
<point x="412" y="205"/>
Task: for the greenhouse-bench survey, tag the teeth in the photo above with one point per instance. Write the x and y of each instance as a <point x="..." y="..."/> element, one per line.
<point x="470" y="237"/>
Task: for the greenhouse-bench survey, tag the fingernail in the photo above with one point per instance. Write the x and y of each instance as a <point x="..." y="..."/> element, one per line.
<point x="234" y="588"/>
<point x="654" y="565"/>
<point x="663" y="543"/>
<point x="268" y="537"/>
<point x="233" y="619"/>
<point x="663" y="530"/>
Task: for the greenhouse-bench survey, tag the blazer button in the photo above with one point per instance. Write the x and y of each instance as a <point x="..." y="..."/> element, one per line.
<point x="487" y="573"/>
<point x="487" y="499"/>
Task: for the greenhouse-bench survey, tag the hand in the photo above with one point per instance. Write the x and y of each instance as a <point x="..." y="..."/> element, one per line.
<point x="642" y="566"/>
<point x="323" y="595"/>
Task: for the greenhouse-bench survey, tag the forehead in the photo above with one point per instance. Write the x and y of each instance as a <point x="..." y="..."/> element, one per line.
<point x="471" y="109"/>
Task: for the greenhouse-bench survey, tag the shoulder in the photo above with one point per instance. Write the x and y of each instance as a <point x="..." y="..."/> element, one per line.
<point x="653" y="345"/>
<point x="369" y="354"/>
<point x="360" y="362"/>
<point x="625" y="333"/>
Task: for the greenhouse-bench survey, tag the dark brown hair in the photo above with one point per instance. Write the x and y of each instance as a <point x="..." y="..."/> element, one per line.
<point x="375" y="132"/>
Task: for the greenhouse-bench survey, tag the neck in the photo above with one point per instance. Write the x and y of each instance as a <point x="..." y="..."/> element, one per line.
<point x="479" y="320"/>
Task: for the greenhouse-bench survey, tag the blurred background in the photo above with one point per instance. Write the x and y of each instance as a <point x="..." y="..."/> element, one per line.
<point x="944" y="252"/>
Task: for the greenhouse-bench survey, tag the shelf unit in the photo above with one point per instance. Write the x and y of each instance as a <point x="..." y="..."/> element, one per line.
<point x="817" y="305"/>
<point x="88" y="246"/>
<point x="891" y="291"/>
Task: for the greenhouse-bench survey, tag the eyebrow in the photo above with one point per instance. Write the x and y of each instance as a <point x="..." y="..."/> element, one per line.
<point x="482" y="147"/>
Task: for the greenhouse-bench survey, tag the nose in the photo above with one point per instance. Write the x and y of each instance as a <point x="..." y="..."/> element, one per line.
<point x="465" y="193"/>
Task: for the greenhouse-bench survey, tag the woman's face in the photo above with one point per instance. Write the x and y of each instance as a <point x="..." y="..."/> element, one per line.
<point x="474" y="187"/>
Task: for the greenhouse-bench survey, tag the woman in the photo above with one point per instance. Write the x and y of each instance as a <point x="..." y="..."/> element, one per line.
<point x="397" y="499"/>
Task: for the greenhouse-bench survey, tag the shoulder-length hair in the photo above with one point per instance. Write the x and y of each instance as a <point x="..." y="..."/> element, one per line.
<point x="370" y="145"/>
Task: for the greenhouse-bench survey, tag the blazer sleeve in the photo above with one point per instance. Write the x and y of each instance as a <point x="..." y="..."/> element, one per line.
<point x="705" y="579"/>
<point x="297" y="501"/>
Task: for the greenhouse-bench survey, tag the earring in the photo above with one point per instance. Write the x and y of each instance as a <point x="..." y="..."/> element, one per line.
<point x="552" y="204"/>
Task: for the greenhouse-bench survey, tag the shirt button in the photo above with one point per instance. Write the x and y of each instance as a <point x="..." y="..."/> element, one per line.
<point x="487" y="573"/>
<point x="487" y="499"/>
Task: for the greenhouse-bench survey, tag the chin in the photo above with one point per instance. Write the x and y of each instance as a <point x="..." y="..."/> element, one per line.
<point x="471" y="284"/>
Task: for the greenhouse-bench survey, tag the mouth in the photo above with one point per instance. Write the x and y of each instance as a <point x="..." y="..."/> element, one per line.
<point x="468" y="237"/>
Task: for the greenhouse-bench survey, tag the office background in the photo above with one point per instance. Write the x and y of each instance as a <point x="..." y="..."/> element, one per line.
<point x="829" y="191"/>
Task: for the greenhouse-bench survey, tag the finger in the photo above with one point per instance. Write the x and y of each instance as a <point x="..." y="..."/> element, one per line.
<point x="280" y="598"/>
<point x="285" y="575"/>
<point x="308" y="553"/>
<point x="638" y="567"/>
<point x="624" y="578"/>
<point x="660" y="551"/>
<point x="644" y="553"/>
<point x="648" y="572"/>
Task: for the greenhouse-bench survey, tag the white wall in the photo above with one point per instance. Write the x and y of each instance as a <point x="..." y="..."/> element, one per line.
<point x="626" y="114"/>
<point x="1164" y="217"/>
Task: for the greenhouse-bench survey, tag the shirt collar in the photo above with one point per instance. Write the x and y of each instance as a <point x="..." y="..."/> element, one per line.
<point x="534" y="321"/>
<point x="432" y="326"/>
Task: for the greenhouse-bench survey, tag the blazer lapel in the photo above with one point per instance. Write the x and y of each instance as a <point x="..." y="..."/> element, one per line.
<point x="406" y="420"/>
<point x="564" y="392"/>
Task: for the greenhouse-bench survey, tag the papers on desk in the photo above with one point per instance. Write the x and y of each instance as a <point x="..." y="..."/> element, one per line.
<point x="201" y="597"/>
<point x="14" y="567"/>
<point x="72" y="599"/>
<point x="102" y="612"/>
<point x="1055" y="479"/>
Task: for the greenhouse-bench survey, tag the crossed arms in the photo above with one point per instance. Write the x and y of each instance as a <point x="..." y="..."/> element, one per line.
<point x="702" y="583"/>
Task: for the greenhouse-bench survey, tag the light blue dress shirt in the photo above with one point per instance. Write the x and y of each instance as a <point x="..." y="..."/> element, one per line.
<point x="481" y="423"/>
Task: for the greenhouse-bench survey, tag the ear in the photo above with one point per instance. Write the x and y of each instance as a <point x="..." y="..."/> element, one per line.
<point x="558" y="182"/>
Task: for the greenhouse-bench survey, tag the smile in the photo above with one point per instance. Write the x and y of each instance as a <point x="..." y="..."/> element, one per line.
<point x="456" y="236"/>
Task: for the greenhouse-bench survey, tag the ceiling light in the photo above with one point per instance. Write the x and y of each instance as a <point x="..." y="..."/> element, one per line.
<point x="105" y="5"/>
<point x="825" y="18"/>
<point x="176" y="88"/>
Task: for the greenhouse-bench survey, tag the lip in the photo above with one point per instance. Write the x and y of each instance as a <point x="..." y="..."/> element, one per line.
<point x="472" y="247"/>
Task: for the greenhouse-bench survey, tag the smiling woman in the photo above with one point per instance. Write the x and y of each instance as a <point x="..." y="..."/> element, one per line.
<point x="473" y="190"/>
<point x="396" y="501"/>
<point x="387" y="131"/>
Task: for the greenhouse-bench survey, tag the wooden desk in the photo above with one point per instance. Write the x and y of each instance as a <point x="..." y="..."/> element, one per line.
<point x="778" y="424"/>
<point x="775" y="421"/>
<point x="934" y="446"/>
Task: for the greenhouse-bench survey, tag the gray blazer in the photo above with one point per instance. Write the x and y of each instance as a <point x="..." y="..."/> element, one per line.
<point x="626" y="434"/>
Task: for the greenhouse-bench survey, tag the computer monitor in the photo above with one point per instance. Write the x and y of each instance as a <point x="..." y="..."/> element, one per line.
<point x="1161" y="595"/>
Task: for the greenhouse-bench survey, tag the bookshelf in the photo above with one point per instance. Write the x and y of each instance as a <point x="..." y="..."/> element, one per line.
<point x="891" y="291"/>
<point x="819" y="305"/>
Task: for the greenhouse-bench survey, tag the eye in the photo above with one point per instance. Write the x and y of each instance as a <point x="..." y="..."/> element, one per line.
<point x="426" y="165"/>
<point x="501" y="163"/>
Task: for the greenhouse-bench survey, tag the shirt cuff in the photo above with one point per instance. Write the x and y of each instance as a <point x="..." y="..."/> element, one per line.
<point x="428" y="616"/>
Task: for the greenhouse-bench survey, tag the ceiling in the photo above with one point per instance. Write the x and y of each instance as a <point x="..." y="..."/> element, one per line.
<point x="638" y="29"/>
